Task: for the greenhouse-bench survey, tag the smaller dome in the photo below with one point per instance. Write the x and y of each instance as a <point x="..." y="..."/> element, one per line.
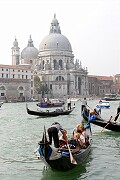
<point x="29" y="52"/>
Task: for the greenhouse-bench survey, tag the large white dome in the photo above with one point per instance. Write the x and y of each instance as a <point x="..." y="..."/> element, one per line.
<point x="55" y="41"/>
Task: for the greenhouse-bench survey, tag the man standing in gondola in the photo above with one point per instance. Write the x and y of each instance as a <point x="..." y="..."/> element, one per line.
<point x="53" y="133"/>
<point x="84" y="104"/>
<point x="69" y="103"/>
<point x="118" y="112"/>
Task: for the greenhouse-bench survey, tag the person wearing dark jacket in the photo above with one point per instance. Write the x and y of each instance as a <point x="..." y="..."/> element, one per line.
<point x="118" y="112"/>
<point x="53" y="133"/>
<point x="84" y="104"/>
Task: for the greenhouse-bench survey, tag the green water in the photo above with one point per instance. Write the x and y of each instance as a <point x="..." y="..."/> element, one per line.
<point x="20" y="133"/>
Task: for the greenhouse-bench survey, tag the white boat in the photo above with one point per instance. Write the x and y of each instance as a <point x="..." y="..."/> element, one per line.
<point x="75" y="99"/>
<point x="103" y="104"/>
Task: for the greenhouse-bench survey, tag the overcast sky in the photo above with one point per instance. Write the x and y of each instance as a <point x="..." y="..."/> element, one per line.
<point x="92" y="27"/>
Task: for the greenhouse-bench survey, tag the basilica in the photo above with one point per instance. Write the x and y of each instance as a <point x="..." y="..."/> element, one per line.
<point x="53" y="63"/>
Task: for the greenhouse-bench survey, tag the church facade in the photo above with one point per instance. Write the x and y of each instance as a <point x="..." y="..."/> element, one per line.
<point x="56" y="67"/>
<point x="53" y="64"/>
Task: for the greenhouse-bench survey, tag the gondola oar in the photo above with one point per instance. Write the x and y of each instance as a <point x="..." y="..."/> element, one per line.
<point x="110" y="120"/>
<point x="73" y="161"/>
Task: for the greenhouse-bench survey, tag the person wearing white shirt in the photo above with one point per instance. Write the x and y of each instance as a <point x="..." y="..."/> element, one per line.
<point x="84" y="104"/>
<point x="69" y="103"/>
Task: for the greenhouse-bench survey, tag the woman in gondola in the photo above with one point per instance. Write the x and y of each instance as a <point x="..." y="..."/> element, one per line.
<point x="63" y="139"/>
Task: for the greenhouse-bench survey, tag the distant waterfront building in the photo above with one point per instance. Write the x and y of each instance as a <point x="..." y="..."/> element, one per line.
<point x="116" y="84"/>
<point x="16" y="83"/>
<point x="100" y="85"/>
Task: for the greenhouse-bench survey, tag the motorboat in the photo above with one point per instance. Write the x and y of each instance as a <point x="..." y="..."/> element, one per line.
<point x="103" y="104"/>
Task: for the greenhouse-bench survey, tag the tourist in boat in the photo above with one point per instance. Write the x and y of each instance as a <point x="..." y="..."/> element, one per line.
<point x="77" y="129"/>
<point x="83" y="134"/>
<point x="53" y="133"/>
<point x="69" y="103"/>
<point x="78" y="140"/>
<point x="118" y="112"/>
<point x="63" y="139"/>
<point x="86" y="111"/>
<point x="84" y="104"/>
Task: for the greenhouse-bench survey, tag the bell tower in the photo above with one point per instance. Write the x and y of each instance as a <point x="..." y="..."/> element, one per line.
<point x="15" y="53"/>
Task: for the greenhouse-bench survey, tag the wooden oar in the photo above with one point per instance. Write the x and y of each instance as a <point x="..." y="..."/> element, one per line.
<point x="73" y="161"/>
<point x="110" y="120"/>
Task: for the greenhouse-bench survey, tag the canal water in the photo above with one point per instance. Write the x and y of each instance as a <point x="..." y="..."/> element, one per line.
<point x="20" y="133"/>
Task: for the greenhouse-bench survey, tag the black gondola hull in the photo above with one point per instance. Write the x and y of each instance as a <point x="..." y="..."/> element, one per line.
<point x="49" y="113"/>
<point x="64" y="164"/>
<point x="105" y="124"/>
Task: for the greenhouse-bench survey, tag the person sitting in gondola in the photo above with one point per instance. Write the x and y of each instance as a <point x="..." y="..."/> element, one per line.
<point x="83" y="135"/>
<point x="93" y="115"/>
<point x="53" y="133"/>
<point x="94" y="112"/>
<point x="78" y="141"/>
<point x="86" y="111"/>
<point x="63" y="139"/>
<point x="76" y="129"/>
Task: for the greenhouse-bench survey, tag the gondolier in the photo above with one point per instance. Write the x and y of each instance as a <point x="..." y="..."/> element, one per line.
<point x="84" y="104"/>
<point x="53" y="133"/>
<point x="118" y="112"/>
<point x="69" y="103"/>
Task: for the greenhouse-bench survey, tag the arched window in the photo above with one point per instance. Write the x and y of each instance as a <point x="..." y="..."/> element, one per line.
<point x="79" y="85"/>
<point x="2" y="88"/>
<point x="55" y="64"/>
<point x="20" y="88"/>
<point x="43" y="64"/>
<point x="59" y="78"/>
<point x="60" y="64"/>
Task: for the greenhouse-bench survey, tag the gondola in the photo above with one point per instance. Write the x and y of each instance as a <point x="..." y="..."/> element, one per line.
<point x="97" y="120"/>
<point x="52" y="104"/>
<point x="62" y="159"/>
<point x="48" y="113"/>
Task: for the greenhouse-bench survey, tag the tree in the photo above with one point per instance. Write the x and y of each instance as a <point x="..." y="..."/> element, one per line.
<point x="40" y="87"/>
<point x="37" y="84"/>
